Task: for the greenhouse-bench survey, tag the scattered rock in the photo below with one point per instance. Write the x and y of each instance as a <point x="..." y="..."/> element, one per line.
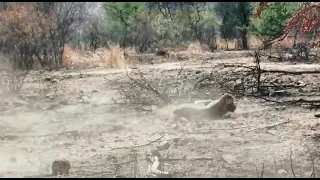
<point x="176" y="140"/>
<point x="280" y="108"/>
<point x="119" y="176"/>
<point x="64" y="102"/>
<point x="229" y="158"/>
<point x="118" y="140"/>
<point x="67" y="144"/>
<point x="51" y="107"/>
<point x="54" y="81"/>
<point x="280" y="93"/>
<point x="50" y="96"/>
<point x="115" y="128"/>
<point x="317" y="114"/>
<point x="155" y="153"/>
<point x="84" y="99"/>
<point x="17" y="104"/>
<point x="30" y="97"/>
<point x="94" y="91"/>
<point x="163" y="146"/>
<point x="47" y="79"/>
<point x="307" y="174"/>
<point x="198" y="72"/>
<point x="282" y="171"/>
<point x="95" y="105"/>
<point x="60" y="167"/>
<point x="8" y="137"/>
<point x="3" y="109"/>
<point x="13" y="159"/>
<point x="315" y="136"/>
<point x="68" y="76"/>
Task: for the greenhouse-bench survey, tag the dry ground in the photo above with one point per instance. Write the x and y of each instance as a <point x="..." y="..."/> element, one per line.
<point x="79" y="122"/>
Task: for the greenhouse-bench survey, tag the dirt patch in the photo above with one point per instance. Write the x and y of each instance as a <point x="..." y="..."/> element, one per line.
<point x="77" y="120"/>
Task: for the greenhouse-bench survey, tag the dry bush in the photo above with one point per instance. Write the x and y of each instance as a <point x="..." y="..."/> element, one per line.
<point x="111" y="57"/>
<point x="231" y="45"/>
<point x="254" y="42"/>
<point x="114" y="57"/>
<point x="11" y="79"/>
<point x="196" y="48"/>
<point x="22" y="33"/>
<point x="70" y="57"/>
<point x="142" y="93"/>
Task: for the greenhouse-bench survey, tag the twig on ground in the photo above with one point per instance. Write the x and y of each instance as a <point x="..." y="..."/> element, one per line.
<point x="315" y="71"/>
<point x="262" y="171"/>
<point x="57" y="134"/>
<point x="275" y="166"/>
<point x="128" y="147"/>
<point x="97" y="165"/>
<point x="94" y="172"/>
<point x="256" y="169"/>
<point x="313" y="173"/>
<point x="189" y="159"/>
<point x="291" y="163"/>
<point x="271" y="126"/>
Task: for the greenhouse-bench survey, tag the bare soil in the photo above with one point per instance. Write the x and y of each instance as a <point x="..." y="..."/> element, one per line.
<point x="76" y="119"/>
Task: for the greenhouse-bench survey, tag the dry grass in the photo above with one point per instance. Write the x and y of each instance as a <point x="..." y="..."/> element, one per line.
<point x="253" y="42"/>
<point x="196" y="48"/>
<point x="112" y="57"/>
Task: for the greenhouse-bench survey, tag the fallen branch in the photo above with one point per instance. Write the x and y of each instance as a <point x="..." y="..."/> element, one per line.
<point x="54" y="134"/>
<point x="291" y="163"/>
<point x="271" y="126"/>
<point x="314" y="71"/>
<point x="93" y="172"/>
<point x="208" y="131"/>
<point x="104" y="164"/>
<point x="313" y="173"/>
<point x="190" y="159"/>
<point x="129" y="147"/>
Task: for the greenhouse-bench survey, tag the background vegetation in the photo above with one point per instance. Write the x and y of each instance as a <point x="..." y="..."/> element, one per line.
<point x="39" y="33"/>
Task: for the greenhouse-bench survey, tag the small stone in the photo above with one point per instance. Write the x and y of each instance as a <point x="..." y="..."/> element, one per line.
<point x="3" y="109"/>
<point x="198" y="72"/>
<point x="176" y="140"/>
<point x="282" y="171"/>
<point x="307" y="174"/>
<point x="13" y="159"/>
<point x="67" y="144"/>
<point x="49" y="96"/>
<point x="53" y="81"/>
<point x="93" y="150"/>
<point x="229" y="158"/>
<point x="17" y="104"/>
<point x="64" y="102"/>
<point x="163" y="146"/>
<point x="280" y="108"/>
<point x="94" y="91"/>
<point x="317" y="114"/>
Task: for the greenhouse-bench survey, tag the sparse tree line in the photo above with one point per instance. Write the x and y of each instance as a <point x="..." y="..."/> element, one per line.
<point x="36" y="32"/>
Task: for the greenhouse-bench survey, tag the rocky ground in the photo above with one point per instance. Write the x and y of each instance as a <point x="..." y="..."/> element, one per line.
<point x="74" y="117"/>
